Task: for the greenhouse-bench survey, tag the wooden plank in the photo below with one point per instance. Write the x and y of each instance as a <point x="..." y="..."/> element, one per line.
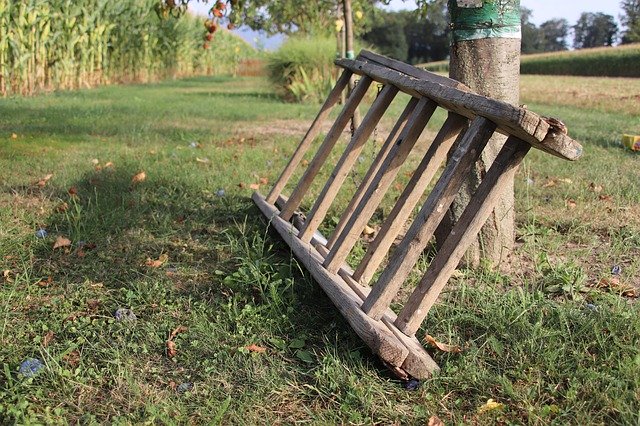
<point x="462" y="235"/>
<point x="346" y="162"/>
<point x="417" y="238"/>
<point x="373" y="170"/>
<point x="368" y="56"/>
<point x="511" y="120"/>
<point x="380" y="184"/>
<point x="409" y="198"/>
<point x="309" y="137"/>
<point x="374" y="333"/>
<point x="325" y="149"/>
<point x="418" y="363"/>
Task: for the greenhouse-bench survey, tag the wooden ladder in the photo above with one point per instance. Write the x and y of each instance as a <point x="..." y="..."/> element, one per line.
<point x="471" y="122"/>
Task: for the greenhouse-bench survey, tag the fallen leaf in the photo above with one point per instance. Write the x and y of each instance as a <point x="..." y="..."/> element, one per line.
<point x="594" y="187"/>
<point x="255" y="348"/>
<point x="264" y="181"/>
<point x="45" y="283"/>
<point x="158" y="262"/>
<point x="203" y="160"/>
<point x="14" y="136"/>
<point x="61" y="242"/>
<point x="606" y="198"/>
<point x="254" y="186"/>
<point x="305" y="163"/>
<point x="95" y="162"/>
<point x="550" y="183"/>
<point x="435" y="421"/>
<point x="368" y="230"/>
<point x="171" y="349"/>
<point x="139" y="177"/>
<point x="42" y="182"/>
<point x="98" y="168"/>
<point x="108" y="164"/>
<point x="72" y="358"/>
<point x="242" y="185"/>
<point x="490" y="405"/>
<point x="571" y="204"/>
<point x="442" y="346"/>
<point x="565" y="180"/>
<point x="48" y="338"/>
<point x="62" y="207"/>
<point x="93" y="304"/>
<point x="613" y="283"/>
<point x="73" y="191"/>
<point x="177" y="330"/>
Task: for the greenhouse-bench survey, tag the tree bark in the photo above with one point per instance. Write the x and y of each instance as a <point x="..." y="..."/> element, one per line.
<point x="491" y="67"/>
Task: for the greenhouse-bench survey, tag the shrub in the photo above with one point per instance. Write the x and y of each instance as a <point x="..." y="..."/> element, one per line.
<point x="302" y="69"/>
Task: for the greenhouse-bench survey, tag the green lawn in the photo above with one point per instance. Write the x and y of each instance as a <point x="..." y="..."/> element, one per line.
<point x="186" y="251"/>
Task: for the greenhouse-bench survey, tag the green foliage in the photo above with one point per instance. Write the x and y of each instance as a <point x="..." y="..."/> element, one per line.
<point x="409" y="37"/>
<point x="62" y="44"/>
<point x="631" y="20"/>
<point x="594" y="30"/>
<point x="302" y="69"/>
<point x="550" y="36"/>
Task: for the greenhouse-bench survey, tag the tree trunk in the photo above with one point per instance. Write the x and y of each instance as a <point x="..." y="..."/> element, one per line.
<point x="488" y="61"/>
<point x="348" y="26"/>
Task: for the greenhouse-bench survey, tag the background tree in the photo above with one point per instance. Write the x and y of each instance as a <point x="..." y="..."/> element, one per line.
<point x="631" y="20"/>
<point x="594" y="30"/>
<point x="531" y="36"/>
<point x="553" y="34"/>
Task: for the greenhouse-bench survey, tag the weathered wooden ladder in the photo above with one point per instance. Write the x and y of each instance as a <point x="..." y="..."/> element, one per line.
<point x="471" y="122"/>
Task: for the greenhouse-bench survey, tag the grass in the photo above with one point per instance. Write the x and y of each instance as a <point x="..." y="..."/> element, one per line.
<point x="543" y="341"/>
<point x="619" y="61"/>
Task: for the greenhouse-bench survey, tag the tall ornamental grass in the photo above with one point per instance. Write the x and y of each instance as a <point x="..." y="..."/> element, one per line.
<point x="302" y="69"/>
<point x="66" y="44"/>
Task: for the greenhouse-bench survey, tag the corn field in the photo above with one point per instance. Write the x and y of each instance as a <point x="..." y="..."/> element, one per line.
<point x="67" y="44"/>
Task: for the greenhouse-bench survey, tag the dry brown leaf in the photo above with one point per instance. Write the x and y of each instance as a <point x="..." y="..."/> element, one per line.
<point x="242" y="185"/>
<point x="255" y="348"/>
<point x="550" y="183"/>
<point x="435" y="421"/>
<point x="73" y="191"/>
<point x="45" y="283"/>
<point x="606" y="198"/>
<point x="158" y="262"/>
<point x="177" y="330"/>
<point x="305" y="163"/>
<point x="613" y="283"/>
<point x="6" y="274"/>
<point x="48" y="338"/>
<point x="594" y="187"/>
<point x="62" y="207"/>
<point x="42" y="182"/>
<point x="139" y="177"/>
<point x="108" y="164"/>
<point x="442" y="346"/>
<point x="61" y="242"/>
<point x="171" y="349"/>
<point x="565" y="180"/>
<point x="72" y="358"/>
<point x="264" y="181"/>
<point x="571" y="204"/>
<point x="14" y="136"/>
<point x="254" y="186"/>
<point x="95" y="162"/>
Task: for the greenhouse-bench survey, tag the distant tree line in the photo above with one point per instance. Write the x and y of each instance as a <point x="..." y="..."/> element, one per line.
<point x="419" y="38"/>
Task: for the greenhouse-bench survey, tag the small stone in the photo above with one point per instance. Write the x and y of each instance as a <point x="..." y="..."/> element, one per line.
<point x="123" y="314"/>
<point x="220" y="192"/>
<point x="41" y="233"/>
<point x="185" y="387"/>
<point x="412" y="385"/>
<point x="30" y="367"/>
<point x="616" y="270"/>
<point x="591" y="307"/>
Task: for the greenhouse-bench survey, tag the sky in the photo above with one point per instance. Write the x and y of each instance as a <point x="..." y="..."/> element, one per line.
<point x="543" y="10"/>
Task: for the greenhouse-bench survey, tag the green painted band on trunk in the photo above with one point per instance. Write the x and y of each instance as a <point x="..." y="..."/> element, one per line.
<point x="494" y="19"/>
<point x="351" y="54"/>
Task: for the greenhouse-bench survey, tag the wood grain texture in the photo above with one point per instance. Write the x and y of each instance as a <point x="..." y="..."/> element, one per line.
<point x="325" y="149"/>
<point x="309" y="137"/>
<point x="461" y="236"/>
<point x="420" y="180"/>
<point x="373" y="170"/>
<point x="380" y="184"/>
<point x="417" y="238"/>
<point x="524" y="124"/>
<point x="346" y="162"/>
<point x="374" y="333"/>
